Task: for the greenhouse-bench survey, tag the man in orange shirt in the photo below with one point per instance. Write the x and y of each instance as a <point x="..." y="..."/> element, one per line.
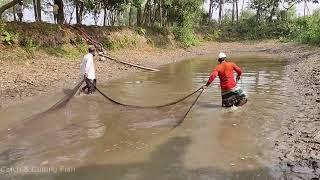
<point x="232" y="95"/>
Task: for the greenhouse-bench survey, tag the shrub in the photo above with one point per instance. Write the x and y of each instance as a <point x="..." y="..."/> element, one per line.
<point x="186" y="36"/>
<point x="141" y="31"/>
<point x="306" y="30"/>
<point x="6" y="37"/>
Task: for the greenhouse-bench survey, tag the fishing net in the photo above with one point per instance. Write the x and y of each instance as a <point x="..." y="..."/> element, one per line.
<point x="77" y="118"/>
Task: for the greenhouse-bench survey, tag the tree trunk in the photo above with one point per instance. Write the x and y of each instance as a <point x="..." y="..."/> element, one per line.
<point x="237" y="10"/>
<point x="139" y="14"/>
<point x="146" y="14"/>
<point x="35" y="10"/>
<point x="173" y="16"/>
<point x="60" y="11"/>
<point x="166" y="16"/>
<point x="160" y="13"/>
<point x="14" y="13"/>
<point x="119" y="17"/>
<point x="39" y="10"/>
<point x="112" y="18"/>
<point x="220" y="11"/>
<point x="8" y="6"/>
<point x="211" y="9"/>
<point x="153" y="16"/>
<point x="105" y="17"/>
<point x="258" y="15"/>
<point x="77" y="11"/>
<point x="96" y="19"/>
<point x="130" y="15"/>
<point x="81" y="9"/>
<point x="233" y="11"/>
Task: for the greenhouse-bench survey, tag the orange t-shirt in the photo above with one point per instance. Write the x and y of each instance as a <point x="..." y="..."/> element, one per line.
<point x="225" y="72"/>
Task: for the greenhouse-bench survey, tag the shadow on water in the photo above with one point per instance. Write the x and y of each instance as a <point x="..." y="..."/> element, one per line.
<point x="67" y="91"/>
<point x="158" y="167"/>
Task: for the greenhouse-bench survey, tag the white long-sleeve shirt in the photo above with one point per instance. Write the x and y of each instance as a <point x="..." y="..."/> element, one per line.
<point x="87" y="66"/>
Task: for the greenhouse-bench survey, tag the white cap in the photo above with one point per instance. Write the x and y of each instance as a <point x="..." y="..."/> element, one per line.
<point x="222" y="55"/>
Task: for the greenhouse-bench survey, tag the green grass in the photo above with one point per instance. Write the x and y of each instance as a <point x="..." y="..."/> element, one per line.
<point x="67" y="51"/>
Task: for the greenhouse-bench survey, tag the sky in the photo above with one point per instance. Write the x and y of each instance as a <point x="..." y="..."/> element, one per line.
<point x="243" y="4"/>
<point x="88" y="20"/>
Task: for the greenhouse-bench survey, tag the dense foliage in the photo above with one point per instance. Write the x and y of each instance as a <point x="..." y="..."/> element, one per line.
<point x="306" y="30"/>
<point x="6" y="37"/>
<point x="283" y="25"/>
<point x="187" y="18"/>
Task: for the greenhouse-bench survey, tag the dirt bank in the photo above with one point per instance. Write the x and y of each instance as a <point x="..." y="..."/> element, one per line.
<point x="298" y="147"/>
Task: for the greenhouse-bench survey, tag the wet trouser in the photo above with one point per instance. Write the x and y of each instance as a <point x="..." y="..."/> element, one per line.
<point x="233" y="97"/>
<point x="90" y="85"/>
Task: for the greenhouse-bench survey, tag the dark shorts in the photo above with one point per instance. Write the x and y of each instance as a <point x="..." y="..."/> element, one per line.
<point x="234" y="97"/>
<point x="90" y="85"/>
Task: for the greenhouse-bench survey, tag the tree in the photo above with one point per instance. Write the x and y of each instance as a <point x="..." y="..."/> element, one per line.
<point x="161" y="3"/>
<point x="35" y="10"/>
<point x="138" y="5"/>
<point x="187" y="18"/>
<point x="39" y="9"/>
<point x="211" y="6"/>
<point x="233" y="11"/>
<point x="237" y="10"/>
<point x="130" y="14"/>
<point x="262" y="7"/>
<point x="221" y="2"/>
<point x="14" y="13"/>
<point x="79" y="10"/>
<point x="147" y="13"/>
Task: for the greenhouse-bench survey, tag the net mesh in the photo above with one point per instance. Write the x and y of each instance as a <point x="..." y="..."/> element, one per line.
<point x="77" y="118"/>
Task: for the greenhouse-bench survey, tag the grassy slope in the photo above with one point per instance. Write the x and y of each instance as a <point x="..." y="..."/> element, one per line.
<point x="64" y="41"/>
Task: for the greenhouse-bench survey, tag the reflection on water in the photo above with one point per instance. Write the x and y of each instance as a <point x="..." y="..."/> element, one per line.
<point x="106" y="141"/>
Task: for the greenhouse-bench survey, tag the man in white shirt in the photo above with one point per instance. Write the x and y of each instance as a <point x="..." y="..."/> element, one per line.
<point x="88" y="71"/>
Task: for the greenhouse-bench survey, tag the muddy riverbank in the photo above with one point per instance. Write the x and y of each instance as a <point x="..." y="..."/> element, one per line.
<point x="298" y="147"/>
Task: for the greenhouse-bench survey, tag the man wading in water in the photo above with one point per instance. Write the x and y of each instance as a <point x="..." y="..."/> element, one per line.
<point x="232" y="95"/>
<point x="88" y="71"/>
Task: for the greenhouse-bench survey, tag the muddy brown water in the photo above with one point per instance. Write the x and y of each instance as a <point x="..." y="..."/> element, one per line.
<point x="91" y="138"/>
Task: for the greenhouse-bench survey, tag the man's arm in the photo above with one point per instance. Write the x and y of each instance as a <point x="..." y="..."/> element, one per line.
<point x="213" y="75"/>
<point x="238" y="70"/>
<point x="88" y="65"/>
